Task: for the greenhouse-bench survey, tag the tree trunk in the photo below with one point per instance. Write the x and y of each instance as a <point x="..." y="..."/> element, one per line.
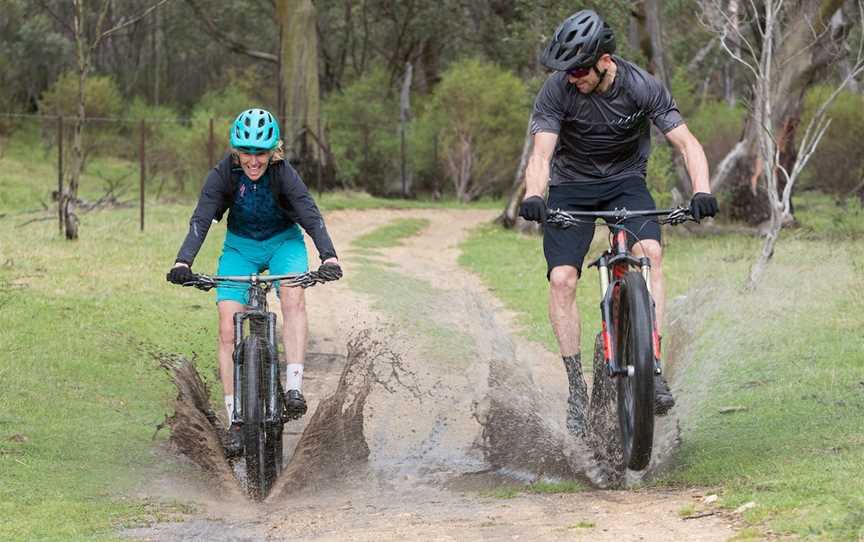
<point x="653" y="8"/>
<point x="77" y="165"/>
<point x="510" y="216"/>
<point x="299" y="68"/>
<point x="799" y="71"/>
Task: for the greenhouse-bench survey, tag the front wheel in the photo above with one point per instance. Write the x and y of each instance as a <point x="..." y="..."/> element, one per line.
<point x="259" y="440"/>
<point x="635" y="354"/>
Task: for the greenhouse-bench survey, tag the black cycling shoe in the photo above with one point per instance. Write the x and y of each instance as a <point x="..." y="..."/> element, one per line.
<point x="295" y="404"/>
<point x="232" y="441"/>
<point x="663" y="400"/>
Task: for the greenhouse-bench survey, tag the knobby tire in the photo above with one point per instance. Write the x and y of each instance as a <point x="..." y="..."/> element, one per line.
<point x="635" y="391"/>
<point x="259" y="440"/>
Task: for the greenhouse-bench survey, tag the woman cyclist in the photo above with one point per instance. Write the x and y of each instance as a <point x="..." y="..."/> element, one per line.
<point x="266" y="200"/>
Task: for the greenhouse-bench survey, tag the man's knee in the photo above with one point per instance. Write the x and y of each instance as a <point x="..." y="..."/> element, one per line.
<point x="563" y="279"/>
<point x="651" y="249"/>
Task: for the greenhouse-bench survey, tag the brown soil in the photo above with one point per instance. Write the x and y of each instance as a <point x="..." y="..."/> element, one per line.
<point x="415" y="433"/>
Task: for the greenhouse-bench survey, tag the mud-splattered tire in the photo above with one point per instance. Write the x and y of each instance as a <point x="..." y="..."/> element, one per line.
<point x="257" y="441"/>
<point x="635" y="389"/>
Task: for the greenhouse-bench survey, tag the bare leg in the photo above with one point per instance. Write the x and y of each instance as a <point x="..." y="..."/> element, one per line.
<point x="563" y="312"/>
<point x="654" y="252"/>
<point x="225" y="350"/>
<point x="564" y="315"/>
<point x="295" y="331"/>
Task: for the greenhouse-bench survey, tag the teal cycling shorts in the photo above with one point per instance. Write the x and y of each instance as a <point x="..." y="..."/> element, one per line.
<point x="282" y="254"/>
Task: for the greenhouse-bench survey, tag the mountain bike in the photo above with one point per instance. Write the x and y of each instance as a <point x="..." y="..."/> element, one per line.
<point x="259" y="408"/>
<point x="631" y="342"/>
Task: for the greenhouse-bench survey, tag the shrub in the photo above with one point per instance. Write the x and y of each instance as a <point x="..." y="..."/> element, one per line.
<point x="661" y="175"/>
<point x="363" y="121"/>
<point x="480" y="112"/>
<point x="102" y="108"/>
<point x="837" y="166"/>
<point x="718" y="128"/>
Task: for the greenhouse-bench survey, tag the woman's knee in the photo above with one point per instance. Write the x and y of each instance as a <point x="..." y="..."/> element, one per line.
<point x="292" y="300"/>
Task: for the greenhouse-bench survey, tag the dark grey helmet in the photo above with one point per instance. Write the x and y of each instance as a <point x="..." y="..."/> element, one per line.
<point x="578" y="42"/>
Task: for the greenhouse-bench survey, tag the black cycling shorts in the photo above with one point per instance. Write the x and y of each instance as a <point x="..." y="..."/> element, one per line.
<point x="569" y="246"/>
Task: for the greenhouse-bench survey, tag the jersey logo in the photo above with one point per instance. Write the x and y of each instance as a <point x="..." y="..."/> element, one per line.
<point x="629" y="121"/>
<point x="242" y="190"/>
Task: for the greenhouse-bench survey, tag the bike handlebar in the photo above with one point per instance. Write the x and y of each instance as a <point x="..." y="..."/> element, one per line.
<point x="302" y="280"/>
<point x="564" y="219"/>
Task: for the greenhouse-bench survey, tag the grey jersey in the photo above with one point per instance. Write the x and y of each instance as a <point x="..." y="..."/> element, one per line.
<point x="603" y="136"/>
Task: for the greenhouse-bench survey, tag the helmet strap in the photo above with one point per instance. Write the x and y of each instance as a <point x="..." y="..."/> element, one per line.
<point x="601" y="76"/>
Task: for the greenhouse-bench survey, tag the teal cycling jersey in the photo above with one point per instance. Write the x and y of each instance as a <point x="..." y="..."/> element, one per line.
<point x="255" y="214"/>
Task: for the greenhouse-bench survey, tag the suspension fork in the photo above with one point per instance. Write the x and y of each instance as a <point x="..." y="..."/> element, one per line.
<point x="274" y="399"/>
<point x="238" y="361"/>
<point x="607" y="325"/>
<point x="645" y="268"/>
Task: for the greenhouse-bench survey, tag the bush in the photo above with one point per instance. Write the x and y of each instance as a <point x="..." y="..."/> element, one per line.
<point x="718" y="128"/>
<point x="363" y="125"/>
<point x="837" y="166"/>
<point x="661" y="176"/>
<point x="102" y="107"/>
<point x="479" y="112"/>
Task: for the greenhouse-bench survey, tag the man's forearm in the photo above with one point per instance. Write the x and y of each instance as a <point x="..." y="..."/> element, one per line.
<point x="536" y="176"/>
<point x="697" y="167"/>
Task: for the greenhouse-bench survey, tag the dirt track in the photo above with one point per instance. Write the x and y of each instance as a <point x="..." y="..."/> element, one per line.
<point x="427" y="428"/>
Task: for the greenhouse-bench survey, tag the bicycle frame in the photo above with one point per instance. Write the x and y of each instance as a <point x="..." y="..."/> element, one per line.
<point x="613" y="264"/>
<point x="262" y="322"/>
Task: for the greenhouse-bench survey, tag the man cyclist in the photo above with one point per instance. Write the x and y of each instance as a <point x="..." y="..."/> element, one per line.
<point x="590" y="121"/>
<point x="266" y="200"/>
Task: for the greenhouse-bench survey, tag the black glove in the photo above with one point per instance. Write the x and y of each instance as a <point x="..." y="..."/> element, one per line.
<point x="330" y="271"/>
<point x="533" y="208"/>
<point x="180" y="275"/>
<point x="703" y="205"/>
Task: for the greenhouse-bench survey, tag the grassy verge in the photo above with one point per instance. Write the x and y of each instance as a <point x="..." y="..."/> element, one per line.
<point x="80" y="323"/>
<point x="789" y="357"/>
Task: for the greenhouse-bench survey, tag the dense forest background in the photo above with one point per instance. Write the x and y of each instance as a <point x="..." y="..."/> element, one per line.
<point x="414" y="97"/>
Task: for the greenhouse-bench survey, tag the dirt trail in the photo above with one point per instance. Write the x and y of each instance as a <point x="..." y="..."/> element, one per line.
<point x="462" y="408"/>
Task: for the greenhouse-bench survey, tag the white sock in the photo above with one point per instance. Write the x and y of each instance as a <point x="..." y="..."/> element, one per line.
<point x="229" y="406"/>
<point x="294" y="380"/>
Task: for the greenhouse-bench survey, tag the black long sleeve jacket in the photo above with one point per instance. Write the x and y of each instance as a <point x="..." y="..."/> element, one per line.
<point x="290" y="193"/>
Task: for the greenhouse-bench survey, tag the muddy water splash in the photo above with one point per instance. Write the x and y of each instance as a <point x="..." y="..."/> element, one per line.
<point x="333" y="445"/>
<point x="401" y="413"/>
<point x="195" y="429"/>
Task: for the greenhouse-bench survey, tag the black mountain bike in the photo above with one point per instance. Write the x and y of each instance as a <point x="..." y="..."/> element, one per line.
<point x="258" y="400"/>
<point x="631" y="343"/>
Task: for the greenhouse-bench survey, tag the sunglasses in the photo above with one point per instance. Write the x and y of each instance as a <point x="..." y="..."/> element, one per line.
<point x="579" y="72"/>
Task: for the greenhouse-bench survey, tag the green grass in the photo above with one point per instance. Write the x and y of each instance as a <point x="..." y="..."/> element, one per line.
<point x="391" y="234"/>
<point x="80" y="324"/>
<point x="791" y="353"/>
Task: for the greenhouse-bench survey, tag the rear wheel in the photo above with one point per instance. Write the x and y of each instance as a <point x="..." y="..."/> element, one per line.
<point x="258" y="439"/>
<point x="635" y="353"/>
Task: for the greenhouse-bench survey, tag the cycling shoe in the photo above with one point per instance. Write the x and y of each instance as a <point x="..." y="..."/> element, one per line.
<point x="295" y="404"/>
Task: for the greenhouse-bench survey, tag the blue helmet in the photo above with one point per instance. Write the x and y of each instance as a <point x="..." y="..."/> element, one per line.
<point x="255" y="130"/>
